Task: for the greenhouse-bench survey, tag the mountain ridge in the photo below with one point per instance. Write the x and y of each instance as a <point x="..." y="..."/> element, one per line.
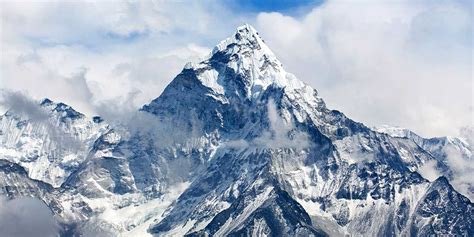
<point x="235" y="145"/>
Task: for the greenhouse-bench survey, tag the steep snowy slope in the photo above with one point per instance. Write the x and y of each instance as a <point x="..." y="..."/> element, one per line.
<point x="78" y="170"/>
<point x="452" y="158"/>
<point x="276" y="135"/>
<point x="436" y="146"/>
<point x="49" y="145"/>
<point x="234" y="146"/>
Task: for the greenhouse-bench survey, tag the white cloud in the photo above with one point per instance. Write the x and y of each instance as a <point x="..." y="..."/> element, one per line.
<point x="23" y="106"/>
<point x="405" y="63"/>
<point x="429" y="171"/>
<point x="96" y="227"/>
<point x="84" y="53"/>
<point x="463" y="170"/>
<point x="26" y="217"/>
<point x="467" y="133"/>
<point x="458" y="156"/>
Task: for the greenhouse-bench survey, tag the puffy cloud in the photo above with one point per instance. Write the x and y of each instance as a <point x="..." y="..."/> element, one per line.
<point x="406" y="63"/>
<point x="22" y="106"/>
<point x="26" y="217"/>
<point x="84" y="53"/>
<point x="429" y="171"/>
<point x="463" y="168"/>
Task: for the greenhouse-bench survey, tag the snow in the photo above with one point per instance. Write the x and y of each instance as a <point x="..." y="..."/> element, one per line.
<point x="250" y="207"/>
<point x="392" y="131"/>
<point x="305" y="173"/>
<point x="253" y="56"/>
<point x="209" y="78"/>
<point x="47" y="148"/>
<point x="132" y="214"/>
<point x="354" y="149"/>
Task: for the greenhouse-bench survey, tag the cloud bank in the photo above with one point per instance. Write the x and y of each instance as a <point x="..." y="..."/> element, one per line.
<point x="404" y="63"/>
<point x="83" y="53"/>
<point x="26" y="217"/>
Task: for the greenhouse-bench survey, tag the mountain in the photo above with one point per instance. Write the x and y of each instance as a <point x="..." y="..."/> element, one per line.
<point x="234" y="146"/>
<point x="50" y="145"/>
<point x="453" y="157"/>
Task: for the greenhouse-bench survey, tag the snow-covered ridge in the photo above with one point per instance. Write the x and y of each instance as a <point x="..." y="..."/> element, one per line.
<point x="452" y="157"/>
<point x="245" y="35"/>
<point x="393" y="131"/>
<point x="257" y="154"/>
<point x="246" y="54"/>
<point x="49" y="145"/>
<point x="346" y="160"/>
<point x="428" y="143"/>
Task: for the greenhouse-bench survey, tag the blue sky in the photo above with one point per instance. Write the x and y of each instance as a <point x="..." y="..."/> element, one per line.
<point x="405" y="63"/>
<point x="284" y="6"/>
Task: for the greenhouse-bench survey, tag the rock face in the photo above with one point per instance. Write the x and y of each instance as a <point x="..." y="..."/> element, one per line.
<point x="50" y="145"/>
<point x="235" y="146"/>
<point x="453" y="157"/>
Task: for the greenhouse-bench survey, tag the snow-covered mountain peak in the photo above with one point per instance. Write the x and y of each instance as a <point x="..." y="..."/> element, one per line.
<point x="234" y="146"/>
<point x="49" y="141"/>
<point x="61" y="110"/>
<point x="245" y="37"/>
<point x="244" y="65"/>
<point x="393" y="131"/>
<point x="239" y="74"/>
<point x="46" y="102"/>
<point x="406" y="133"/>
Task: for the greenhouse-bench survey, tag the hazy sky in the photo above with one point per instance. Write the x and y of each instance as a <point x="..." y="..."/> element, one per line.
<point x="405" y="63"/>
